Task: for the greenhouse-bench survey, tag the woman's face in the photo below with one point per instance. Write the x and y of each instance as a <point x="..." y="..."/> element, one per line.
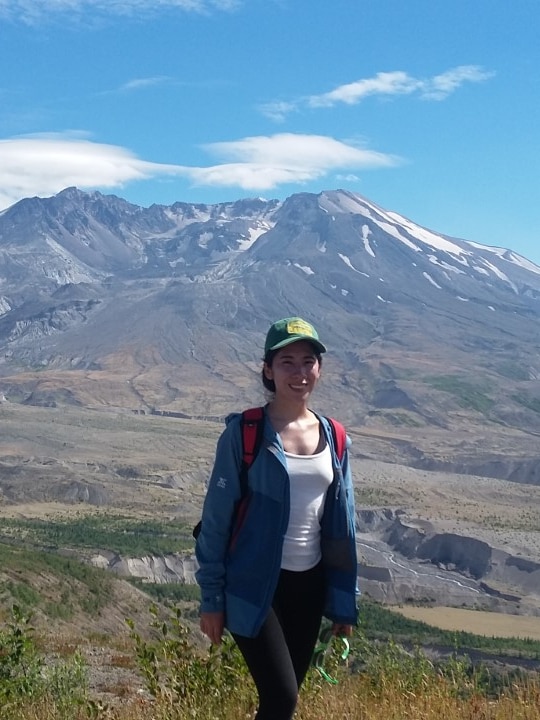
<point x="295" y="370"/>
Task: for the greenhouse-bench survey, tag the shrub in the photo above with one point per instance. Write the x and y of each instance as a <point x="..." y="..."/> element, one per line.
<point x="25" y="677"/>
<point x="188" y="681"/>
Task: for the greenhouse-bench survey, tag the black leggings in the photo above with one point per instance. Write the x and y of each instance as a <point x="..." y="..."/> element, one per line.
<point x="279" y="657"/>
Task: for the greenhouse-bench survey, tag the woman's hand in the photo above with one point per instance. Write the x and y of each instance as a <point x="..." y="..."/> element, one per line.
<point x="212" y="624"/>
<point x="342" y="630"/>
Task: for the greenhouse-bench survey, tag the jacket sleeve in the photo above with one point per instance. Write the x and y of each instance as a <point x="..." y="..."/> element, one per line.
<point x="349" y="488"/>
<point x="338" y="544"/>
<point x="221" y="498"/>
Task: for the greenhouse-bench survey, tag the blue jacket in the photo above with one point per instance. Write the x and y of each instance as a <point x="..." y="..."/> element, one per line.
<point x="240" y="577"/>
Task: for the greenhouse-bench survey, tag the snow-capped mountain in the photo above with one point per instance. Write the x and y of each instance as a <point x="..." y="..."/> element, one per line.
<point x="169" y="306"/>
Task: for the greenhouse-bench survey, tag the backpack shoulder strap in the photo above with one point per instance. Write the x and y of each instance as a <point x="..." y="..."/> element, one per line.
<point x="340" y="437"/>
<point x="252" y="427"/>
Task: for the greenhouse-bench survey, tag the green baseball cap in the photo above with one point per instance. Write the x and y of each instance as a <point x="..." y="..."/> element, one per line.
<point x="289" y="330"/>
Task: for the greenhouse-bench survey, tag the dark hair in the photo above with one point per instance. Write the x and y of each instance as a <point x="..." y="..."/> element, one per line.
<point x="268" y="359"/>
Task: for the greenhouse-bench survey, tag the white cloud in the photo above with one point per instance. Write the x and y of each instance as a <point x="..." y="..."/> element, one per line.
<point x="440" y="86"/>
<point x="390" y="83"/>
<point x="348" y="178"/>
<point x="263" y="162"/>
<point x="32" y="11"/>
<point x="308" y="151"/>
<point x="278" y="110"/>
<point x="384" y="84"/>
<point x="141" y="83"/>
<point x="44" y="165"/>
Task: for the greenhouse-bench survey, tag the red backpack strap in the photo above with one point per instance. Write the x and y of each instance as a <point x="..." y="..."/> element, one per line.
<point x="252" y="427"/>
<point x="340" y="437"/>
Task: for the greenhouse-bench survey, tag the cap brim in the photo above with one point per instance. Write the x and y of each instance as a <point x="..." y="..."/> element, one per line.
<point x="316" y="343"/>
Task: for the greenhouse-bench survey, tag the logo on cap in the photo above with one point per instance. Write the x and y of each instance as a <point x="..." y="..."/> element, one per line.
<point x="300" y="327"/>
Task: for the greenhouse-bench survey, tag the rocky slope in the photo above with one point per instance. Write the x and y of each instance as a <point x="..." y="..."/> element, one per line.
<point x="433" y="340"/>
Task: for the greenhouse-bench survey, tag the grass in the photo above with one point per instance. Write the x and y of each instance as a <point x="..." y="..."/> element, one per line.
<point x="467" y="394"/>
<point x="168" y="592"/>
<point x="382" y="682"/>
<point x="125" y="536"/>
<point x="66" y="585"/>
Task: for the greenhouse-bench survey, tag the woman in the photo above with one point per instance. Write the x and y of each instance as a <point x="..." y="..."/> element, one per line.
<point x="293" y="559"/>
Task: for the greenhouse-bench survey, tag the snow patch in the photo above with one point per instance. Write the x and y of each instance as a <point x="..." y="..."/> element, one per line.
<point x="366" y="232"/>
<point x="349" y="264"/>
<point x="390" y="222"/>
<point x="5" y="307"/>
<point x="394" y="232"/>
<point x="254" y="234"/>
<point x="305" y="269"/>
<point x="427" y="237"/>
<point x="431" y="280"/>
<point x="441" y="263"/>
<point x="204" y="239"/>
<point x="342" y="202"/>
<point x="480" y="270"/>
<point x="495" y="270"/>
<point x="196" y="215"/>
<point x="509" y="256"/>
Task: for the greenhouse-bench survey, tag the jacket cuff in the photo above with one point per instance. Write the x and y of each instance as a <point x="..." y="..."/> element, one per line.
<point x="211" y="602"/>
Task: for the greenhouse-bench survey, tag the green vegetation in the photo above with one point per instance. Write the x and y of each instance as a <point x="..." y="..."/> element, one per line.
<point x="77" y="586"/>
<point x="376" y="497"/>
<point x="526" y="521"/>
<point x="531" y="403"/>
<point x="26" y="678"/>
<point x="513" y="371"/>
<point x="398" y="418"/>
<point x="178" y="675"/>
<point x="466" y="394"/>
<point x="383" y="681"/>
<point x="167" y="593"/>
<point x="133" y="538"/>
<point x="379" y="623"/>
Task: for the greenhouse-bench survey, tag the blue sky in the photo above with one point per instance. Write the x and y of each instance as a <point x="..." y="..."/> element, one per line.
<point x="428" y="108"/>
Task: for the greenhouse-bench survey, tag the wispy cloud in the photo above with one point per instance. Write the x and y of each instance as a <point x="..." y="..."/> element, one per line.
<point x="143" y="83"/>
<point x="384" y="84"/>
<point x="45" y="164"/>
<point x="440" y="86"/>
<point x="390" y="83"/>
<point x="33" y="11"/>
<point x="278" y="110"/>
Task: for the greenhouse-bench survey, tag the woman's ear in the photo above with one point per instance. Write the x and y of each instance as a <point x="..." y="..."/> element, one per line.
<point x="267" y="370"/>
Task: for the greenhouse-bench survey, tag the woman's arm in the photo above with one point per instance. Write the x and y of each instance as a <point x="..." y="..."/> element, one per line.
<point x="221" y="498"/>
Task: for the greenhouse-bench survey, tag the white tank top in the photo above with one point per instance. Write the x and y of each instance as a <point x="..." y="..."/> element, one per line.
<point x="310" y="477"/>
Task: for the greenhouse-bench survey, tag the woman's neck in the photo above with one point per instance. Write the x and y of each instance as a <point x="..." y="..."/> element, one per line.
<point x="297" y="426"/>
<point x="287" y="412"/>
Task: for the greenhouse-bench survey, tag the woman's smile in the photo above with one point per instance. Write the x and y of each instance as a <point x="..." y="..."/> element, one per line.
<point x="294" y="368"/>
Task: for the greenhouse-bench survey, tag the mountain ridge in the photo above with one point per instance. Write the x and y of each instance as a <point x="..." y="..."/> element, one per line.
<point x="106" y="304"/>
